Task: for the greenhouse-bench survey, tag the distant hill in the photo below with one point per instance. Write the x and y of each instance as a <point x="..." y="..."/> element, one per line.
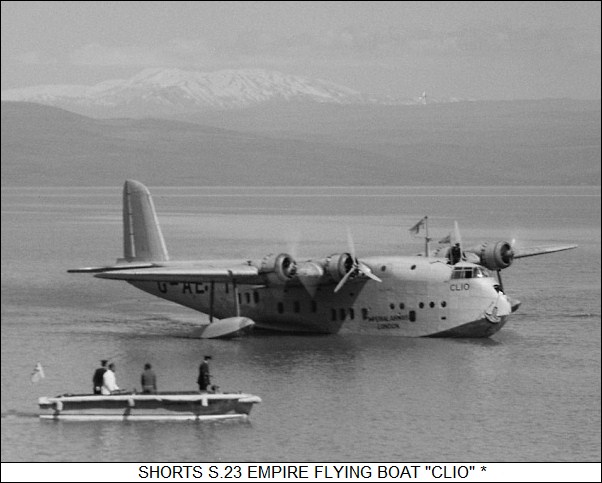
<point x="44" y="145"/>
<point x="164" y="92"/>
<point x="472" y="143"/>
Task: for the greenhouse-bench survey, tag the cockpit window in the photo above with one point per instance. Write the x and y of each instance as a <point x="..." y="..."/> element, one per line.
<point x="481" y="272"/>
<point x="469" y="272"/>
<point x="462" y="272"/>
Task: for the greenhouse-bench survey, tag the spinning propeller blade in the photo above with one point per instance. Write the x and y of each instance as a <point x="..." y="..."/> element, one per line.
<point x="357" y="267"/>
<point x="457" y="236"/>
<point x="344" y="280"/>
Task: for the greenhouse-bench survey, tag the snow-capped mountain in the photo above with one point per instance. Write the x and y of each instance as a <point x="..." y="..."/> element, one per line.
<point x="175" y="90"/>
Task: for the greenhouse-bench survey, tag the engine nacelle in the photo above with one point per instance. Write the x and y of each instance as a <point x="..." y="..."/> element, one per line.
<point x="496" y="255"/>
<point x="337" y="265"/>
<point x="280" y="267"/>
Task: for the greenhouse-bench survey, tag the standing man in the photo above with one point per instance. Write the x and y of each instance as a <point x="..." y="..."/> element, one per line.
<point x="97" y="377"/>
<point x="109" y="382"/>
<point x="148" y="379"/>
<point x="204" y="379"/>
<point x="456" y="254"/>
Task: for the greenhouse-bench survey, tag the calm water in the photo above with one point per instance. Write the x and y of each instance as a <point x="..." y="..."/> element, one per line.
<point x="530" y="393"/>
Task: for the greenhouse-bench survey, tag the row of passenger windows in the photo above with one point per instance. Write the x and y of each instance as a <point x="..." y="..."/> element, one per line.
<point x="402" y="306"/>
<point x="346" y="313"/>
<point x="340" y="314"/>
<point x="349" y="313"/>
<point x="247" y="297"/>
<point x="297" y="307"/>
<point x="314" y="306"/>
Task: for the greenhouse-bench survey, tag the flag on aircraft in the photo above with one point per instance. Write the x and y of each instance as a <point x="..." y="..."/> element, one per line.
<point x="416" y="228"/>
<point x="38" y="373"/>
<point x="446" y="239"/>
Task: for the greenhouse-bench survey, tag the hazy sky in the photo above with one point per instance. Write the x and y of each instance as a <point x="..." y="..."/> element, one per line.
<point x="481" y="50"/>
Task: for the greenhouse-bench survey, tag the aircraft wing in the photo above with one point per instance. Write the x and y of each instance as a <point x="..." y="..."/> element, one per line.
<point x="243" y="274"/>
<point x="532" y="251"/>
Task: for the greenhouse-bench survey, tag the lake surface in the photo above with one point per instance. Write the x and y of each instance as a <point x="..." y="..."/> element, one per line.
<point x="529" y="393"/>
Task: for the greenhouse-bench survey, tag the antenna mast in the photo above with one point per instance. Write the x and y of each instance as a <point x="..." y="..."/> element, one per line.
<point x="426" y="236"/>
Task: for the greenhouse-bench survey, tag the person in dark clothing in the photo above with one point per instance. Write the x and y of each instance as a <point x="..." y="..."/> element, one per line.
<point x="97" y="378"/>
<point x="456" y="254"/>
<point x="148" y="379"/>
<point x="204" y="379"/>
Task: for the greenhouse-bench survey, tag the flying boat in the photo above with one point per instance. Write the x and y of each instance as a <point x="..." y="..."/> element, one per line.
<point x="431" y="294"/>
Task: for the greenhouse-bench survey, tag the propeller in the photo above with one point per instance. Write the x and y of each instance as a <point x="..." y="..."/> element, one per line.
<point x="310" y="274"/>
<point x="292" y="237"/>
<point x="507" y="252"/>
<point x="457" y="236"/>
<point x="356" y="267"/>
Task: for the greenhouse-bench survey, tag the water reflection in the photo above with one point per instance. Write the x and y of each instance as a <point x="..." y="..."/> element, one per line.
<point x="530" y="393"/>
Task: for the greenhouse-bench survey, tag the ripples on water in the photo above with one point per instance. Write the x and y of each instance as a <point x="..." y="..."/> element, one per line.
<point x="530" y="393"/>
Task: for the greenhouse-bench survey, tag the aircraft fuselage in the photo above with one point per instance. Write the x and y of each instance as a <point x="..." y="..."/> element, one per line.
<point x="418" y="296"/>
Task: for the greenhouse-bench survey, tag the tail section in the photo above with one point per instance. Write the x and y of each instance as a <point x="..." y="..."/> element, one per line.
<point x="142" y="237"/>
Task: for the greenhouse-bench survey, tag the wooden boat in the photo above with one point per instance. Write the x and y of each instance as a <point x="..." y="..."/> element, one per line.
<point x="128" y="406"/>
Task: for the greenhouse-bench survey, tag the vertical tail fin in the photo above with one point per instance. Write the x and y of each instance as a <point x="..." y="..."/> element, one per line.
<point x="142" y="237"/>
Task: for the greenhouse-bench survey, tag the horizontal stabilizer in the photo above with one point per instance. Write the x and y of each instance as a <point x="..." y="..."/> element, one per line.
<point x="532" y="251"/>
<point x="129" y="266"/>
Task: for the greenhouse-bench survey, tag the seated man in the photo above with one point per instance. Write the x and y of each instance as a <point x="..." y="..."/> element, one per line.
<point x="97" y="379"/>
<point x="148" y="379"/>
<point x="109" y="382"/>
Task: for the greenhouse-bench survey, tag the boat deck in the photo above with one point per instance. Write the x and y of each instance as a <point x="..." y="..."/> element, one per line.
<point x="170" y="405"/>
